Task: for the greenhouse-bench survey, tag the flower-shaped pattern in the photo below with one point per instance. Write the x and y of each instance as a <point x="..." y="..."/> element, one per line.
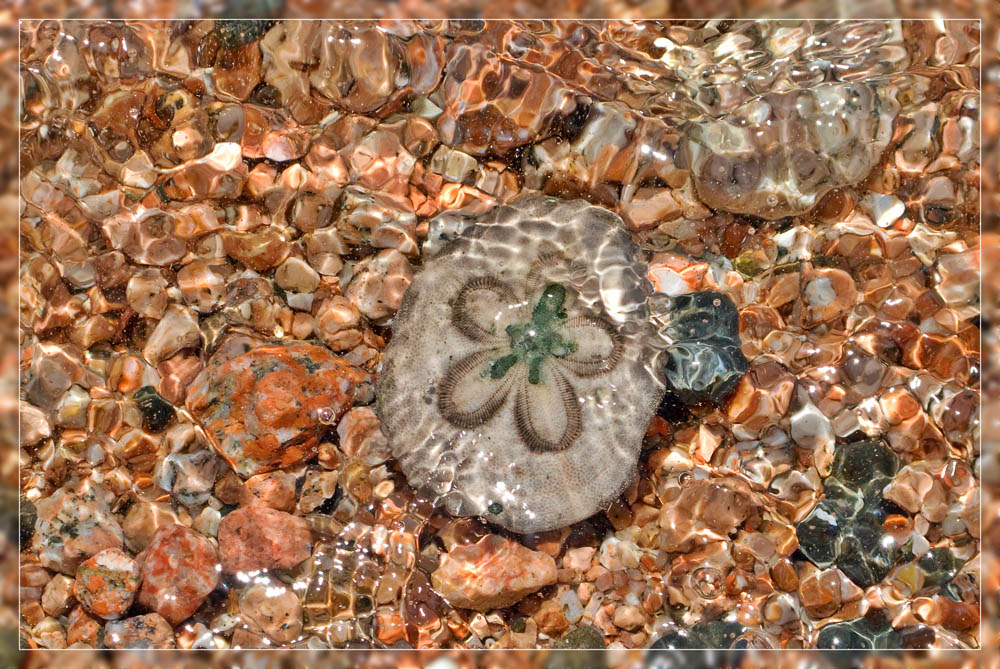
<point x="531" y="350"/>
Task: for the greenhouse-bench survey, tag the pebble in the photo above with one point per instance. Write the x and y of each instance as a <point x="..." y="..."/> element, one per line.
<point x="57" y="596"/>
<point x="74" y="523"/>
<point x="71" y="411"/>
<point x="201" y="286"/>
<point x="34" y="424"/>
<point x="296" y="275"/>
<point x="140" y="632"/>
<point x="338" y="323"/>
<point x="379" y="283"/>
<point x="551" y="619"/>
<point x="272" y="489"/>
<point x="492" y="573"/>
<point x="82" y="628"/>
<point x="317" y="488"/>
<point x="142" y="521"/>
<point x="361" y="437"/>
<point x="266" y="408"/>
<point x="252" y="538"/>
<point x="179" y="569"/>
<point x="272" y="609"/>
<point x="189" y="477"/>
<point x="177" y="330"/>
<point x="629" y="618"/>
<point x="106" y="583"/>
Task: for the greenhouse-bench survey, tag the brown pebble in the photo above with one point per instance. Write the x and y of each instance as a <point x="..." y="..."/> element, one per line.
<point x="252" y="538"/>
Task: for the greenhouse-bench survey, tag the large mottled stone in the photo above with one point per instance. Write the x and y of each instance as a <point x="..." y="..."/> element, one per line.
<point x="265" y="407"/>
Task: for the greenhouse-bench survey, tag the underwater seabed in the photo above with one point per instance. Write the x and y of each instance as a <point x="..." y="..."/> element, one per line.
<point x="500" y="334"/>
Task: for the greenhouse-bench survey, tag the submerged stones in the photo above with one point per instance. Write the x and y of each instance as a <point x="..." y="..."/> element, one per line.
<point x="846" y="527"/>
<point x="777" y="155"/>
<point x="518" y="382"/>
<point x="265" y="408"/>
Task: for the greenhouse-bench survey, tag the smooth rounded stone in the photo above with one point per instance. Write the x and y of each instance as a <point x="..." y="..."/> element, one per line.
<point x="629" y="618"/>
<point x="296" y="275"/>
<point x="846" y="527"/>
<point x="584" y="636"/>
<point x="379" y="283"/>
<point x="705" y="634"/>
<point x="811" y="429"/>
<point x="703" y="362"/>
<point x="140" y="632"/>
<point x="179" y="569"/>
<point x="74" y="523"/>
<point x="82" y="628"/>
<point x="703" y="510"/>
<point x="265" y="408"/>
<point x="71" y="410"/>
<point x="871" y="632"/>
<point x="106" y="583"/>
<point x="201" y="285"/>
<point x="272" y="609"/>
<point x="777" y="155"/>
<point x="492" y="573"/>
<point x="177" y="330"/>
<point x="189" y="477"/>
<point x="34" y="424"/>
<point x="518" y="382"/>
<point x="57" y="596"/>
<point x="252" y="538"/>
<point x="156" y="411"/>
<point x="276" y="490"/>
<point x="361" y="437"/>
<point x="142" y="521"/>
<point x="338" y="323"/>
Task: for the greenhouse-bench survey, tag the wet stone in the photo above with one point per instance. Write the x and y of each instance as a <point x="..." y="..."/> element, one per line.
<point x="868" y="633"/>
<point x="492" y="573"/>
<point x="156" y="411"/>
<point x="584" y="636"/>
<point x="252" y="538"/>
<point x="846" y="527"/>
<point x="140" y="632"/>
<point x="74" y="523"/>
<point x="106" y="583"/>
<point x="705" y="634"/>
<point x="266" y="408"/>
<point x="704" y="362"/>
<point x="272" y="609"/>
<point x="179" y="569"/>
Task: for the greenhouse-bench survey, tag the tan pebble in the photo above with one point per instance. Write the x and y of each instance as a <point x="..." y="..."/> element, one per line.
<point x="147" y="293"/>
<point x="142" y="520"/>
<point x="34" y="424"/>
<point x="272" y="609"/>
<point x="585" y="591"/>
<point x="551" y="619"/>
<point x="302" y="325"/>
<point x="201" y="286"/>
<point x="273" y="489"/>
<point x="338" y="323"/>
<point x="379" y="283"/>
<point x="362" y="438"/>
<point x="296" y="275"/>
<point x="81" y="628"/>
<point x="57" y="597"/>
<point x="318" y="487"/>
<point x="147" y="631"/>
<point x="49" y="633"/>
<point x="177" y="330"/>
<point x="629" y="618"/>
<point x="229" y="488"/>
<point x="491" y="573"/>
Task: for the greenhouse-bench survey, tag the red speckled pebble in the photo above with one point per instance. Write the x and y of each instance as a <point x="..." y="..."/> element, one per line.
<point x="261" y="409"/>
<point x="179" y="568"/>
<point x="258" y="537"/>
<point x="106" y="583"/>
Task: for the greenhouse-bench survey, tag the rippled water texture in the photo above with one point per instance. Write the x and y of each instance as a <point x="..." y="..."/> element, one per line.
<point x="493" y="334"/>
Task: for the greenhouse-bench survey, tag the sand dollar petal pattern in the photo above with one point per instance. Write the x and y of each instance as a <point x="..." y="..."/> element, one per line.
<point x="518" y="382"/>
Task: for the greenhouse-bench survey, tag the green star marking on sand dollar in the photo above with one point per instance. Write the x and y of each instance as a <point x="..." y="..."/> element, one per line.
<point x="537" y="339"/>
